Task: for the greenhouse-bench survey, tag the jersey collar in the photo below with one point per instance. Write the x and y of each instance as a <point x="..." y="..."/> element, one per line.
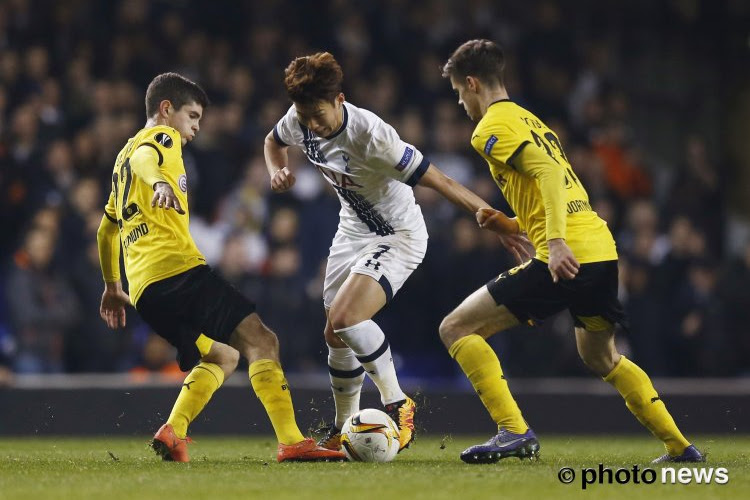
<point x="499" y="100"/>
<point x="343" y="124"/>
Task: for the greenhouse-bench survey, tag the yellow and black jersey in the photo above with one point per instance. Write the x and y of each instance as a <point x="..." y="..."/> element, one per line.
<point x="156" y="242"/>
<point x="529" y="165"/>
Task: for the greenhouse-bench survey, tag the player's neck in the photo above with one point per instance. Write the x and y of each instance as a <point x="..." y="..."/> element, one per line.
<point x="491" y="96"/>
<point x="340" y="121"/>
<point x="155" y="121"/>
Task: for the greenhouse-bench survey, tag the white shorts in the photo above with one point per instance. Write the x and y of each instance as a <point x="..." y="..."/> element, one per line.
<point x="389" y="260"/>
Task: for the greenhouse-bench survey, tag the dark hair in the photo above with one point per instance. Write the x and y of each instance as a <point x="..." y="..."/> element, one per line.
<point x="483" y="59"/>
<point x="174" y="88"/>
<point x="313" y="78"/>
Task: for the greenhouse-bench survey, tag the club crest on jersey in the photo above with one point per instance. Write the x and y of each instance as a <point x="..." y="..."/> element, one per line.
<point x="182" y="182"/>
<point x="489" y="144"/>
<point x="408" y="153"/>
<point x="163" y="139"/>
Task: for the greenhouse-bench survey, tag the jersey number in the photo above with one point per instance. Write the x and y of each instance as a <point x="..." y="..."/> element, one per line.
<point x="125" y="177"/>
<point x="552" y="145"/>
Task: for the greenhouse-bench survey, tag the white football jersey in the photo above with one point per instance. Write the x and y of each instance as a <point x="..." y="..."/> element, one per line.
<point x="370" y="167"/>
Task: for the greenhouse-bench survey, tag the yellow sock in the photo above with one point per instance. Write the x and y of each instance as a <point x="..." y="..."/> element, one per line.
<point x="197" y="389"/>
<point x="272" y="389"/>
<point x="480" y="364"/>
<point x="643" y="401"/>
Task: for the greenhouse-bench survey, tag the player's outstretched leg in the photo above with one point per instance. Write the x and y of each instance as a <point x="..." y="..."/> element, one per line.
<point x="219" y="360"/>
<point x="356" y="302"/>
<point x="260" y="346"/>
<point x="372" y="350"/>
<point x="480" y="313"/>
<point x="598" y="351"/>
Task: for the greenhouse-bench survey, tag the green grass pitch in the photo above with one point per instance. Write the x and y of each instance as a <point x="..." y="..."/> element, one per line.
<point x="245" y="467"/>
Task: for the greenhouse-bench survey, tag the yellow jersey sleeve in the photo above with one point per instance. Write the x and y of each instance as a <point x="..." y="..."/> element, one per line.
<point x="108" y="242"/>
<point x="550" y="178"/>
<point x="110" y="210"/>
<point x="145" y="164"/>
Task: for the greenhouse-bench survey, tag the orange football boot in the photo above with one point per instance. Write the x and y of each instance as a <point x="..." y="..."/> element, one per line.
<point x="169" y="446"/>
<point x="308" y="451"/>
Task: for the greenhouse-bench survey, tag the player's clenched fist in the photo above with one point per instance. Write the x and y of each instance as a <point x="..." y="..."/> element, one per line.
<point x="282" y="180"/>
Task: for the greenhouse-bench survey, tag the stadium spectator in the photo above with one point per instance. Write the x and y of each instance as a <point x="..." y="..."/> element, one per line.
<point x="42" y="305"/>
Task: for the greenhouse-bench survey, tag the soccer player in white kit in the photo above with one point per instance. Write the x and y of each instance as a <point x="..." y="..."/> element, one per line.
<point x="381" y="237"/>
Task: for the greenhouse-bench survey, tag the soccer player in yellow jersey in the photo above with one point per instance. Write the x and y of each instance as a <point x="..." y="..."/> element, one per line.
<point x="209" y="322"/>
<point x="575" y="266"/>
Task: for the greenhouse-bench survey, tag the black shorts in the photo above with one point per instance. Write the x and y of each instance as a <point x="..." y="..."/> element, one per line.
<point x="530" y="294"/>
<point x="197" y="301"/>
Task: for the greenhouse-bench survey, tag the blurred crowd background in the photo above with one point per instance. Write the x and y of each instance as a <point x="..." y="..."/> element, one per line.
<point x="638" y="91"/>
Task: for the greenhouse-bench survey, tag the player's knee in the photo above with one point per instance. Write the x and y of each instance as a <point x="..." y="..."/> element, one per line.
<point x="601" y="363"/>
<point x="343" y="317"/>
<point x="233" y="360"/>
<point x="252" y="338"/>
<point x="229" y="362"/>
<point x="450" y="330"/>
<point x="332" y="339"/>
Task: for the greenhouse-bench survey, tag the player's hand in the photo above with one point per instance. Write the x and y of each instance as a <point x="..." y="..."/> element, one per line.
<point x="112" y="308"/>
<point x="518" y="245"/>
<point x="562" y="262"/>
<point x="282" y="180"/>
<point x="165" y="198"/>
<point x="496" y="221"/>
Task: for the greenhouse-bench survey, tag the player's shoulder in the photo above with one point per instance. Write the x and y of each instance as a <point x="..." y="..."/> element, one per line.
<point x="160" y="135"/>
<point x="165" y="140"/>
<point x="359" y="120"/>
<point x="368" y="126"/>
<point x="502" y="118"/>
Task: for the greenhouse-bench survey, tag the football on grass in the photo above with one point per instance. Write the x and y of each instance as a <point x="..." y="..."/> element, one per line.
<point x="370" y="436"/>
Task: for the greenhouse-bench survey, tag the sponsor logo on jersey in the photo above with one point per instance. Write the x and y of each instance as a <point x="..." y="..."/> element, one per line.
<point x="408" y="153"/>
<point x="163" y="139"/>
<point x="138" y="231"/>
<point x="182" y="182"/>
<point x="489" y="144"/>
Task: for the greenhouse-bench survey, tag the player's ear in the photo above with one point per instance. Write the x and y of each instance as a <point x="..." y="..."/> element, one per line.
<point x="340" y="98"/>
<point x="165" y="107"/>
<point x="472" y="83"/>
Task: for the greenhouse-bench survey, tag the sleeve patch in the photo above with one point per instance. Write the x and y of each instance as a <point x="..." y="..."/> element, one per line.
<point x="405" y="159"/>
<point x="164" y="139"/>
<point x="489" y="144"/>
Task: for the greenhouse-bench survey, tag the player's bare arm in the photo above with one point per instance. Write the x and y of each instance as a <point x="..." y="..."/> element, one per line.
<point x="277" y="161"/>
<point x="488" y="218"/>
<point x="451" y="190"/>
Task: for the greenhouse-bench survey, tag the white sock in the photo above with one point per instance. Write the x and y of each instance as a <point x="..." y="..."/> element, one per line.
<point x="347" y="376"/>
<point x="372" y="350"/>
